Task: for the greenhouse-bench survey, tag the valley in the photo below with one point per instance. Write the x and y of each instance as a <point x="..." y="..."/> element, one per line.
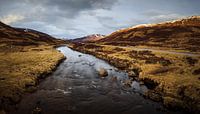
<point x="146" y="68"/>
<point x="76" y="87"/>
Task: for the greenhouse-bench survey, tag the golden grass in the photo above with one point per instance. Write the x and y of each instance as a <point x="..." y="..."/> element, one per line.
<point x="21" y="69"/>
<point x="177" y="85"/>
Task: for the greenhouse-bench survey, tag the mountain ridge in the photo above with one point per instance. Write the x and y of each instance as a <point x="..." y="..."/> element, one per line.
<point x="89" y="38"/>
<point x="21" y="36"/>
<point x="182" y="33"/>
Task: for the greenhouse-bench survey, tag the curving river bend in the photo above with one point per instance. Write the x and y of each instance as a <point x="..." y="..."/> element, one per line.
<point x="76" y="88"/>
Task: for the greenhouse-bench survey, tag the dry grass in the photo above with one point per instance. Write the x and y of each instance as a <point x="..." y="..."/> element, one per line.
<point x="22" y="67"/>
<point x="181" y="34"/>
<point x="177" y="76"/>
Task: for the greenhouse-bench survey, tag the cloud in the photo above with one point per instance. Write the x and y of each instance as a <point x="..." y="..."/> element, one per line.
<point x="152" y="13"/>
<point x="76" y="18"/>
<point x="165" y="17"/>
<point x="64" y="18"/>
<point x="156" y="16"/>
<point x="9" y="19"/>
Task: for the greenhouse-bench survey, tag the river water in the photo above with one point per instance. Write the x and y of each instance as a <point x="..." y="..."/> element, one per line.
<point x="76" y="88"/>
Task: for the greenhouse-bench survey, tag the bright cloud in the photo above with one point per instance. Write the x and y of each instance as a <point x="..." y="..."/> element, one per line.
<point x="9" y="19"/>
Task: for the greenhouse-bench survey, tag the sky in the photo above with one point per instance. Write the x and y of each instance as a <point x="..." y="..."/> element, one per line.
<point x="76" y="18"/>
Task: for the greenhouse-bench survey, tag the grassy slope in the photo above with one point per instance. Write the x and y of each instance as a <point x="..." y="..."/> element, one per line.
<point x="25" y="57"/>
<point x="174" y="79"/>
<point x="180" y="34"/>
<point x="23" y="37"/>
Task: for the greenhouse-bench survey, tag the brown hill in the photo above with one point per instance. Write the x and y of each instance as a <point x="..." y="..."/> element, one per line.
<point x="26" y="56"/>
<point x="181" y="34"/>
<point x="23" y="37"/>
<point x="89" y="38"/>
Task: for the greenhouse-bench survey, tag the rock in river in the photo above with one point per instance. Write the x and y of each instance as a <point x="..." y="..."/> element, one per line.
<point x="103" y="72"/>
<point x="132" y="74"/>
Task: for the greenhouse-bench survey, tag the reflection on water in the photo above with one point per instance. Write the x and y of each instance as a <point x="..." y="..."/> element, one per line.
<point x="76" y="88"/>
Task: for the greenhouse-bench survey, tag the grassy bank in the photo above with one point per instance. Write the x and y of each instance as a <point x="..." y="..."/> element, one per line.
<point x="21" y="69"/>
<point x="173" y="78"/>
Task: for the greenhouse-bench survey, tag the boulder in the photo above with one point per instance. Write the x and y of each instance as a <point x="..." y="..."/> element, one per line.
<point x="103" y="72"/>
<point x="132" y="74"/>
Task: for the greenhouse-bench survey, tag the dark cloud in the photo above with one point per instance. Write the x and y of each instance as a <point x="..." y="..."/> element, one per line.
<point x="66" y="8"/>
<point x="78" y="5"/>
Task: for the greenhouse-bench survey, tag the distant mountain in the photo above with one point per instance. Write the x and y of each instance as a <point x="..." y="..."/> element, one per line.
<point x="21" y="36"/>
<point x="89" y="38"/>
<point x="183" y="34"/>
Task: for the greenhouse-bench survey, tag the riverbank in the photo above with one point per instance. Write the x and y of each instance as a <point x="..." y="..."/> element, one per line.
<point x="72" y="90"/>
<point x="21" y="69"/>
<point x="172" y="78"/>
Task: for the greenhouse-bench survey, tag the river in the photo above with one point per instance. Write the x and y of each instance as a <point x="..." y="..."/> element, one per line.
<point x="76" y="88"/>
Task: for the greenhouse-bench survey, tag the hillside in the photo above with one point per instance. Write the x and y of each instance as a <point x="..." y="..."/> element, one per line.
<point x="20" y="36"/>
<point x="26" y="56"/>
<point x="89" y="38"/>
<point x="179" y="34"/>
